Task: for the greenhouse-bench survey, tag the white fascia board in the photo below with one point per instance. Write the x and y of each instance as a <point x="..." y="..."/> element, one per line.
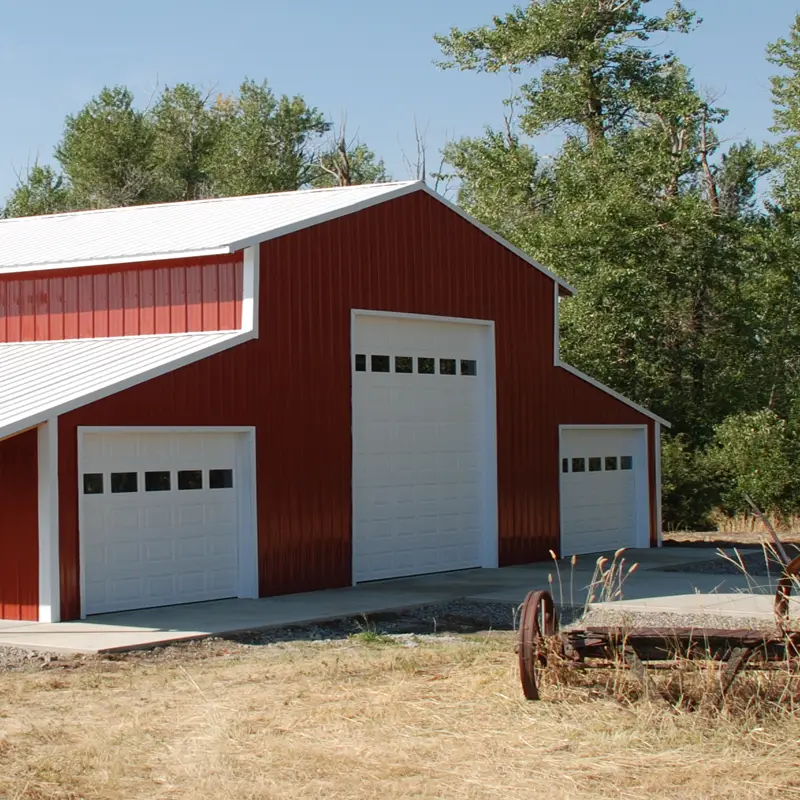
<point x="603" y="388"/>
<point x="110" y="262"/>
<point x="319" y="219"/>
<point x="155" y="371"/>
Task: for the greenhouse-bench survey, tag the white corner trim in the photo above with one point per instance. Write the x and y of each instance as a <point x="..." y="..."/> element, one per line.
<point x="49" y="580"/>
<point x="556" y="326"/>
<point x="603" y="388"/>
<point x="657" y="499"/>
<point x="250" y="289"/>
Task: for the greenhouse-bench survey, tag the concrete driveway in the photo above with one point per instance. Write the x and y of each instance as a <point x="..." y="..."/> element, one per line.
<point x="649" y="585"/>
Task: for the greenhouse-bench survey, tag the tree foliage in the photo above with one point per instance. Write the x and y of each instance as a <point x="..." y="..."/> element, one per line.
<point x="188" y="145"/>
<point x="688" y="285"/>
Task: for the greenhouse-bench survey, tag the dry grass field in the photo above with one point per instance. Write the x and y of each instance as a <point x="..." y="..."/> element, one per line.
<point x="370" y="717"/>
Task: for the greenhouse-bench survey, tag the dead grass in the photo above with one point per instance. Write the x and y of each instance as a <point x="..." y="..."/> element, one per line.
<point x="443" y="719"/>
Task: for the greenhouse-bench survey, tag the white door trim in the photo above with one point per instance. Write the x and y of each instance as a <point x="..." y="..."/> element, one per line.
<point x="489" y="541"/>
<point x="49" y="572"/>
<point x="245" y="497"/>
<point x="642" y="487"/>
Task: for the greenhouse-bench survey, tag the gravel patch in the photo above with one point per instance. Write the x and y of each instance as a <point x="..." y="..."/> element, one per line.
<point x="443" y="621"/>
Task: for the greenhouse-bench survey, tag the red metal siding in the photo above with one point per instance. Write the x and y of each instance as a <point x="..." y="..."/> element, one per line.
<point x="408" y="255"/>
<point x="157" y="297"/>
<point x="19" y="527"/>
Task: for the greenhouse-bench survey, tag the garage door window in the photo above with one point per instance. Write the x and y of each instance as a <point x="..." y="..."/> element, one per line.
<point x="595" y="464"/>
<point x="220" y="479"/>
<point x="611" y="463"/>
<point x="124" y="482"/>
<point x="469" y="367"/>
<point x="190" y="479"/>
<point x="404" y="364"/>
<point x="579" y="465"/>
<point x="447" y="366"/>
<point x="361" y="362"/>
<point x="157" y="481"/>
<point x="381" y="364"/>
<point x="626" y="462"/>
<point x="93" y="483"/>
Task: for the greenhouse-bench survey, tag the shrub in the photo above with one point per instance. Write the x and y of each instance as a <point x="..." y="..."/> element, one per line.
<point x="756" y="453"/>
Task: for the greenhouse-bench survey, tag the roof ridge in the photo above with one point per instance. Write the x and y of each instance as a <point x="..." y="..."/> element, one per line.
<point x="205" y="200"/>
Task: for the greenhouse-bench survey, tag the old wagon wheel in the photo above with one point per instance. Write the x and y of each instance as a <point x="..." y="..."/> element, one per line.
<point x="791" y="573"/>
<point x="537" y="621"/>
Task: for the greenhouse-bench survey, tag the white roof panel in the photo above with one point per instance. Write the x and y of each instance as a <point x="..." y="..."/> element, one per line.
<point x="175" y="230"/>
<point x="39" y="380"/>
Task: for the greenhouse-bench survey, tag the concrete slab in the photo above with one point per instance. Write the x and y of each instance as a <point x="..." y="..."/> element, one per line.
<point x="759" y="606"/>
<point x="151" y="627"/>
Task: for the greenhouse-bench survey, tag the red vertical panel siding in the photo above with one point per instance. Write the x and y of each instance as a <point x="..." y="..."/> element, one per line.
<point x="408" y="255"/>
<point x="227" y="297"/>
<point x="168" y="297"/>
<point x="210" y="298"/>
<point x="13" y="311"/>
<point x="27" y="311"/>
<point x="56" y="307"/>
<point x="19" y="527"/>
<point x="194" y="299"/>
<point x="100" y="306"/>
<point x="177" y="305"/>
<point x="41" y="304"/>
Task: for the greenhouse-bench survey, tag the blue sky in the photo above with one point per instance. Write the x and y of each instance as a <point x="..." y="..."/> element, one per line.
<point x="369" y="58"/>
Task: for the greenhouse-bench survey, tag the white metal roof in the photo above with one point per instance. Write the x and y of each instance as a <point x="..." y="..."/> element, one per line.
<point x="200" y="227"/>
<point x="171" y="230"/>
<point x="39" y="380"/>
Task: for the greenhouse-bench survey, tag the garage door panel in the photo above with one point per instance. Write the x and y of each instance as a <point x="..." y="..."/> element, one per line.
<point x="148" y="547"/>
<point x="601" y="509"/>
<point x="419" y="450"/>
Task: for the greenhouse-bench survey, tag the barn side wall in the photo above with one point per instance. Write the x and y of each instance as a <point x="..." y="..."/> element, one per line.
<point x="203" y="294"/>
<point x="19" y="527"/>
<point x="411" y="255"/>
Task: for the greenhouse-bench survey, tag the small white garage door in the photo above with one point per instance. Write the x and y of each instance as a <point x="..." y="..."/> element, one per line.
<point x="159" y="519"/>
<point x="423" y="462"/>
<point x="604" y="489"/>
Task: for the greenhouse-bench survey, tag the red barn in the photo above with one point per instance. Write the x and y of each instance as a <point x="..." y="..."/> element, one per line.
<point x="263" y="395"/>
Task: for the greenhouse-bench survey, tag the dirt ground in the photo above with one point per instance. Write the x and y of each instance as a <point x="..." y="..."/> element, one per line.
<point x="371" y="716"/>
<point x="725" y="538"/>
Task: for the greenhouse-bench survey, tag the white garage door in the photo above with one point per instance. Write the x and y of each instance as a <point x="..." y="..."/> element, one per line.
<point x="422" y="453"/>
<point x="604" y="489"/>
<point x="160" y="519"/>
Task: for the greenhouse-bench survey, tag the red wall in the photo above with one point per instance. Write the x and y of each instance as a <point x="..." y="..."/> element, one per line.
<point x="412" y="255"/>
<point x="19" y="527"/>
<point x="156" y="297"/>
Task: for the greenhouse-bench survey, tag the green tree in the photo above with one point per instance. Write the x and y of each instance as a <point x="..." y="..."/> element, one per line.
<point x="594" y="64"/>
<point x="185" y="133"/>
<point x="106" y="151"/>
<point x="785" y="54"/>
<point x="266" y="143"/>
<point x="43" y="191"/>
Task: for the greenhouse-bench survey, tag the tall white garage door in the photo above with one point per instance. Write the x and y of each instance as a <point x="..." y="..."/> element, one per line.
<point x="604" y="489"/>
<point x="160" y="518"/>
<point x="424" y="473"/>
